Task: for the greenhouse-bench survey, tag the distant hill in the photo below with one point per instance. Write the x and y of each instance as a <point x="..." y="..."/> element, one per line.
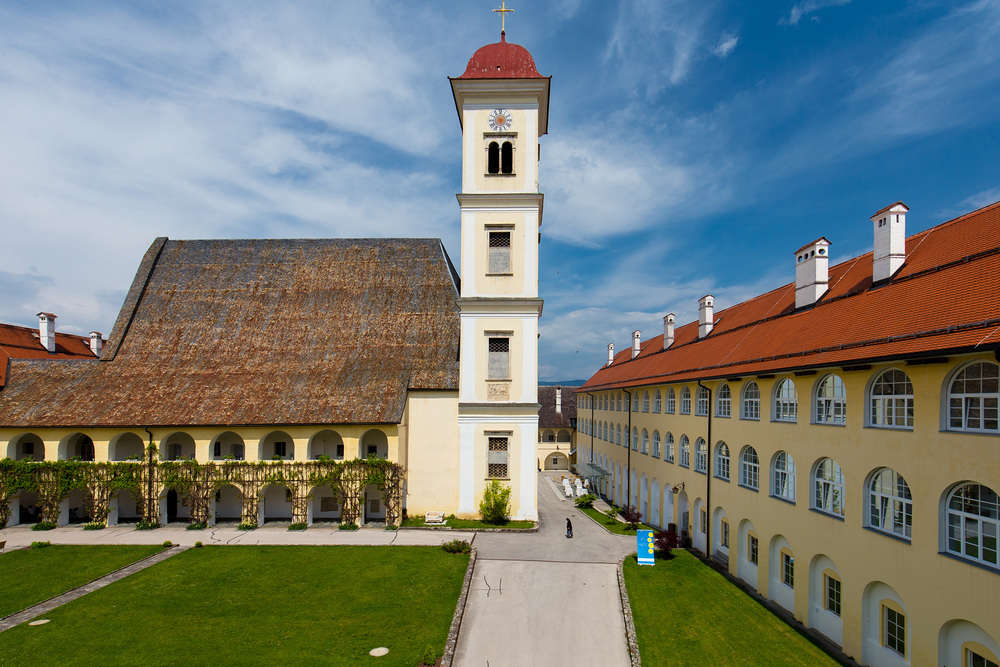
<point x="562" y="383"/>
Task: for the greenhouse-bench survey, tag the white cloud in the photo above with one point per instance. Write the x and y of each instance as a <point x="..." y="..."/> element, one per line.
<point x="809" y="8"/>
<point x="727" y="42"/>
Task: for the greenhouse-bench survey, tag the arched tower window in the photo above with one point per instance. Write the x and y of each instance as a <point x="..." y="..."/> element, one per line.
<point x="506" y="158"/>
<point x="493" y="158"/>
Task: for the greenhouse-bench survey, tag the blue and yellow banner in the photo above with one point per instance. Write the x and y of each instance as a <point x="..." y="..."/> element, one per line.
<point x="644" y="546"/>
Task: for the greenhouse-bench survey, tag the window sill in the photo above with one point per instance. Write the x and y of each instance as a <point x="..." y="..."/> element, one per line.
<point x="723" y="416"/>
<point x="973" y="563"/>
<point x="825" y="513"/>
<point x="489" y="175"/>
<point x="749" y="488"/>
<point x="701" y="472"/>
<point x="881" y="427"/>
<point x="722" y="479"/>
<point x="957" y="431"/>
<point x="784" y="500"/>
<point x="784" y="421"/>
<point x="840" y="424"/>
<point x="497" y="479"/>
<point x="891" y="536"/>
<point x="750" y="419"/>
<point x="499" y="275"/>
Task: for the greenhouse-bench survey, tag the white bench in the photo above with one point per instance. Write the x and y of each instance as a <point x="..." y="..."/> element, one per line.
<point x="434" y="517"/>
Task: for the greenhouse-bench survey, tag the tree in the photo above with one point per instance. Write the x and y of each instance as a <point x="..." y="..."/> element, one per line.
<point x="632" y="516"/>
<point x="665" y="541"/>
<point x="495" y="506"/>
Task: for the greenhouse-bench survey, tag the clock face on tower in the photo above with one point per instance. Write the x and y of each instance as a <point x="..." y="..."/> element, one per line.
<point x="500" y="120"/>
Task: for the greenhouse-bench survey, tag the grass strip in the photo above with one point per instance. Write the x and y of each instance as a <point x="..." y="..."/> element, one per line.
<point x="686" y="613"/>
<point x="31" y="576"/>
<point x="612" y="525"/>
<point x="466" y="524"/>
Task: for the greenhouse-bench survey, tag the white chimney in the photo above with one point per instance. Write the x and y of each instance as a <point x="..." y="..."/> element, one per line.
<point x="611" y="353"/>
<point x="636" y="343"/>
<point x="96" y="344"/>
<point x="706" y="308"/>
<point x="558" y="400"/>
<point x="890" y="241"/>
<point x="47" y="331"/>
<point x="668" y="330"/>
<point x="812" y="264"/>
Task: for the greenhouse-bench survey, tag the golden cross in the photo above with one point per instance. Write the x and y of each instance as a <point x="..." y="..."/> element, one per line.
<point x="503" y="15"/>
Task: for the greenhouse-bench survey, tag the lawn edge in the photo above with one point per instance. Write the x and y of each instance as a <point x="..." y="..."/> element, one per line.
<point x="456" y="619"/>
<point x="633" y="643"/>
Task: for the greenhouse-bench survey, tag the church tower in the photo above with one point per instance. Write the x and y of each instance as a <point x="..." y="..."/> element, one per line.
<point x="502" y="104"/>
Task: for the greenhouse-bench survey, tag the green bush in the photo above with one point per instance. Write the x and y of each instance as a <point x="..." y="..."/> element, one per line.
<point x="196" y="526"/>
<point x="389" y="526"/>
<point x="198" y="545"/>
<point x="168" y="543"/>
<point x="246" y="526"/>
<point x="347" y="526"/>
<point x="43" y="525"/>
<point x="40" y="545"/>
<point x="298" y="526"/>
<point x="147" y="525"/>
<point x="586" y="500"/>
<point x="612" y="513"/>
<point x="430" y="655"/>
<point x="457" y="547"/>
<point x="495" y="506"/>
<point x="93" y="525"/>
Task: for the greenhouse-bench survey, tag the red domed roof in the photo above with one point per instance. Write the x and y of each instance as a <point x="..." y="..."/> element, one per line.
<point x="502" y="60"/>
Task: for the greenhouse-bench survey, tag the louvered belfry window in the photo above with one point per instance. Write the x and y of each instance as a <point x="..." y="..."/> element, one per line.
<point x="499" y="252"/>
<point x="499" y="358"/>
<point x="496" y="462"/>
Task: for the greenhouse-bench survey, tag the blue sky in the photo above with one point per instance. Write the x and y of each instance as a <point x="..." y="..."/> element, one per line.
<point x="692" y="147"/>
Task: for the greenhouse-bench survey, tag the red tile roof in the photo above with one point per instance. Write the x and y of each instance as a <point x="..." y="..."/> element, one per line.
<point x="944" y="299"/>
<point x="23" y="343"/>
<point x="502" y="60"/>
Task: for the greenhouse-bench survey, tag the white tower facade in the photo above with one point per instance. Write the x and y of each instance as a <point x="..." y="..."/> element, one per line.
<point x="502" y="105"/>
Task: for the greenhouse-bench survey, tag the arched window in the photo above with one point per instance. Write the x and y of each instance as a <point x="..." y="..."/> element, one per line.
<point x="645" y="400"/>
<point x="890" y="506"/>
<point x="974" y="523"/>
<point x="618" y="435"/>
<point x="657" y="402"/>
<point x="685" y="401"/>
<point x="493" y="158"/>
<point x="722" y="461"/>
<point x="620" y="394"/>
<point x="656" y="444"/>
<point x="507" y="158"/>
<point x="891" y="400"/>
<point x="786" y="401"/>
<point x="783" y="477"/>
<point x="685" y="454"/>
<point x="635" y="439"/>
<point x="668" y="447"/>
<point x="701" y="403"/>
<point x="831" y="401"/>
<point x="724" y="404"/>
<point x="645" y="441"/>
<point x="751" y="401"/>
<point x="700" y="455"/>
<point x="749" y="468"/>
<point x="828" y="487"/>
<point x="606" y="436"/>
<point x="974" y="399"/>
<point x="671" y="402"/>
<point x="635" y="401"/>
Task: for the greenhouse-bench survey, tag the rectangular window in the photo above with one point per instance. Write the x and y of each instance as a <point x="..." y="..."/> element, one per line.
<point x="833" y="595"/>
<point x="499" y="258"/>
<point x="725" y="534"/>
<point x="340" y="451"/>
<point x="372" y="450"/>
<point x="555" y="460"/>
<point x="499" y="358"/>
<point x="217" y="450"/>
<point x="29" y="449"/>
<point x="752" y="548"/>
<point x="894" y="625"/>
<point x="374" y="506"/>
<point x="704" y="521"/>
<point x="280" y="448"/>
<point x="787" y="569"/>
<point x="496" y="462"/>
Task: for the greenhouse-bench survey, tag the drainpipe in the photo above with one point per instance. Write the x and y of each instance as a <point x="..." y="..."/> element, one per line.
<point x="708" y="473"/>
<point x="628" y="456"/>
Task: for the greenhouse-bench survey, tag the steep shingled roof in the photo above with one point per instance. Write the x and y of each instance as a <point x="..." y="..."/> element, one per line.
<point x="547" y="415"/>
<point x="944" y="299"/>
<point x="259" y="332"/>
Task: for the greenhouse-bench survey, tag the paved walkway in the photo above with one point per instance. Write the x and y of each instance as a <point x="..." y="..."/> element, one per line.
<point x="543" y="599"/>
<point x="48" y="605"/>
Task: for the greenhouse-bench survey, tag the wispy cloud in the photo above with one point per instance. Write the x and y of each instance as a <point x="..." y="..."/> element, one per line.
<point x="727" y="42"/>
<point x="809" y="8"/>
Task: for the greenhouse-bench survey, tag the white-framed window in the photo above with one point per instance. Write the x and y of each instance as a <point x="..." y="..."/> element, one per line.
<point x="618" y="434"/>
<point x="685" y="453"/>
<point x="657" y="402"/>
<point x="700" y="455"/>
<point x="645" y="442"/>
<point x="828" y="487"/>
<point x="635" y="401"/>
<point x="974" y="399"/>
<point x="685" y="401"/>
<point x="668" y="447"/>
<point x="701" y="404"/>
<point x="499" y="356"/>
<point x="831" y="401"/>
<point x="890" y="505"/>
<point x="499" y="251"/>
<point x="974" y="523"/>
<point x="783" y="476"/>
<point x="496" y="462"/>
<point x="724" y="403"/>
<point x="833" y="597"/>
<point x="891" y="404"/>
<point x="752" y="549"/>
<point x="620" y="396"/>
<point x="635" y="439"/>
<point x="749" y="468"/>
<point x="725" y="533"/>
<point x="671" y="405"/>
<point x="645" y="400"/>
<point x="786" y="401"/>
<point x="703" y="521"/>
<point x="787" y="568"/>
<point x="894" y="630"/>
<point x="656" y="444"/>
<point x="751" y="401"/>
<point x="722" y="461"/>
<point x="973" y="659"/>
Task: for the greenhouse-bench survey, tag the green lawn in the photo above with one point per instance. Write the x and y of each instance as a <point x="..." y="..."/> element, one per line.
<point x="617" y="527"/>
<point x="688" y="614"/>
<point x="31" y="576"/>
<point x="285" y="605"/>
<point x="465" y="524"/>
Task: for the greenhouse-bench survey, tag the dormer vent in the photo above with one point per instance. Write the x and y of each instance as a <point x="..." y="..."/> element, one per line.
<point x="96" y="343"/>
<point x="611" y="353"/>
<point x="812" y="272"/>
<point x="890" y="241"/>
<point x="668" y="330"/>
<point x="706" y="315"/>
<point x="47" y="331"/>
<point x="636" y="343"/>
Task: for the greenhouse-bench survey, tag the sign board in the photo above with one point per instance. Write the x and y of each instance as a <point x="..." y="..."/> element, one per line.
<point x="644" y="547"/>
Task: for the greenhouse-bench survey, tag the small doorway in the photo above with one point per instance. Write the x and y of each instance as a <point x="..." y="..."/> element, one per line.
<point x="171" y="506"/>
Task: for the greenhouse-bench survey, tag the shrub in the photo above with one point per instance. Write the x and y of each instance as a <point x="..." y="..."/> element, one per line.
<point x="389" y="526"/>
<point x="632" y="516"/>
<point x="168" y="543"/>
<point x="347" y="526"/>
<point x="43" y="525"/>
<point x="612" y="513"/>
<point x="586" y="500"/>
<point x="665" y="541"/>
<point x="198" y="545"/>
<point x="196" y="526"/>
<point x="147" y="525"/>
<point x="246" y="526"/>
<point x="40" y="545"/>
<point x="430" y="656"/>
<point x="93" y="525"/>
<point x="495" y="506"/>
<point x="298" y="526"/>
<point x="457" y="547"/>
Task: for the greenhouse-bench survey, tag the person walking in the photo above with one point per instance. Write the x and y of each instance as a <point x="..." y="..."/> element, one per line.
<point x="569" y="528"/>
